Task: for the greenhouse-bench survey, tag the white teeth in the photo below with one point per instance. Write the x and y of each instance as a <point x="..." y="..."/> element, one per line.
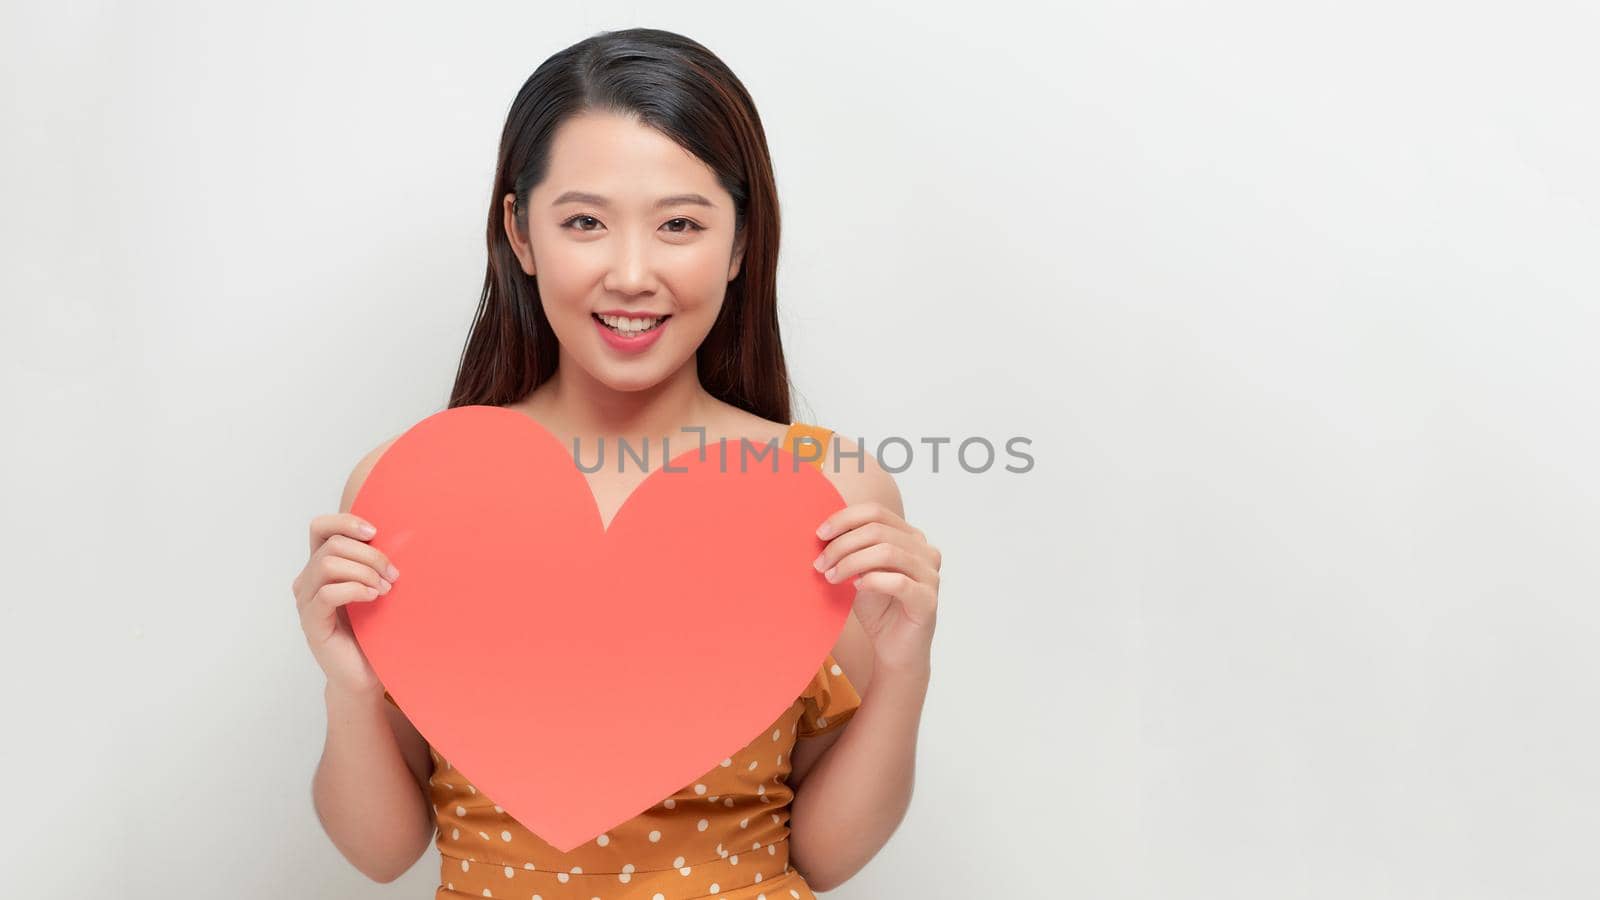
<point x="628" y="325"/>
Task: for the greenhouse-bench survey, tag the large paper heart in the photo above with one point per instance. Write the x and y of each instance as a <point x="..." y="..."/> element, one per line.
<point x="579" y="674"/>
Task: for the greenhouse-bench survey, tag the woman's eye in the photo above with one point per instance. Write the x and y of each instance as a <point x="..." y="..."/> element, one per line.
<point x="688" y="225"/>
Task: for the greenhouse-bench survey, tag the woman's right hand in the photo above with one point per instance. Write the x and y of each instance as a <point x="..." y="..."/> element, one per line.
<point x="343" y="568"/>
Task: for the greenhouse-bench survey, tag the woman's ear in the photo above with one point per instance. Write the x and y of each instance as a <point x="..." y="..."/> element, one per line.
<point x="738" y="256"/>
<point x="519" y="244"/>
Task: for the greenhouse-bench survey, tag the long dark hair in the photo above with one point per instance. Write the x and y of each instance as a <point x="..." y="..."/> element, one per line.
<point x="678" y="87"/>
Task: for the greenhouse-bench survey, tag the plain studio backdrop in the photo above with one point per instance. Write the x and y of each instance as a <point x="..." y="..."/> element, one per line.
<point x="1296" y="304"/>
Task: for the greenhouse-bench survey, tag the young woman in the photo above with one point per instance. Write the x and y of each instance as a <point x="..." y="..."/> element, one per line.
<point x="633" y="245"/>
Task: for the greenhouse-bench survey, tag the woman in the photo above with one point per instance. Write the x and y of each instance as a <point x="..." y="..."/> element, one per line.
<point x="630" y="293"/>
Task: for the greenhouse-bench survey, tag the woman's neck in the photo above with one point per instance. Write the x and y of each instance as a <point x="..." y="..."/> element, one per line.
<point x="578" y="407"/>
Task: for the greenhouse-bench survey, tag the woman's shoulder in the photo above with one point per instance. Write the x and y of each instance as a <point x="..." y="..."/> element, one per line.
<point x="848" y="463"/>
<point x="853" y="468"/>
<point x="358" y="475"/>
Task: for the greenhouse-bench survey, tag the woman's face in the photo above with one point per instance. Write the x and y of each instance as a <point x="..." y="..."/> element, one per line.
<point x="627" y="224"/>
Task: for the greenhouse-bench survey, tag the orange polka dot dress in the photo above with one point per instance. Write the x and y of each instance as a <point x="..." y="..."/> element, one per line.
<point x="724" y="835"/>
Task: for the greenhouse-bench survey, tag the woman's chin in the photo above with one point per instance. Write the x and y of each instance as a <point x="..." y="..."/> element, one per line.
<point x="628" y="375"/>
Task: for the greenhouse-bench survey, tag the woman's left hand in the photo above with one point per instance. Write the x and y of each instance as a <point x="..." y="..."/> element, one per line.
<point x="896" y="574"/>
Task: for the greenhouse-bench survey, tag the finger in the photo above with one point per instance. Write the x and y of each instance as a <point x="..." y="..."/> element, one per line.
<point x="858" y="514"/>
<point x="881" y="557"/>
<point x="857" y="539"/>
<point x="330" y="524"/>
<point x="919" y="600"/>
<point x="361" y="552"/>
<point x="320" y="619"/>
<point x="331" y="570"/>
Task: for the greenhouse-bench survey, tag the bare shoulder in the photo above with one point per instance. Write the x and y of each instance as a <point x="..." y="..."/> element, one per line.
<point x="358" y="476"/>
<point x="854" y="472"/>
<point x="859" y="478"/>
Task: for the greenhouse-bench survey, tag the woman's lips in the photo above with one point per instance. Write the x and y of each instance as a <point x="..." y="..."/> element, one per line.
<point x="633" y="343"/>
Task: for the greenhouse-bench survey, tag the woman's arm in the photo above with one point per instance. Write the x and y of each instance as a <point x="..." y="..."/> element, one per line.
<point x="366" y="793"/>
<point x="370" y="787"/>
<point x="857" y="793"/>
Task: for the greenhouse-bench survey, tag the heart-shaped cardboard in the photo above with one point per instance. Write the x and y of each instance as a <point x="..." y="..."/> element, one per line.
<point x="575" y="674"/>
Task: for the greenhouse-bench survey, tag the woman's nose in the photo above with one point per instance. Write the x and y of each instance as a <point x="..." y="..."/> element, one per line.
<point x="631" y="267"/>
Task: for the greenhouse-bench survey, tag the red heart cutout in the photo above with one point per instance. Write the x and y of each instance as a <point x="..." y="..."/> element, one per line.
<point x="578" y="675"/>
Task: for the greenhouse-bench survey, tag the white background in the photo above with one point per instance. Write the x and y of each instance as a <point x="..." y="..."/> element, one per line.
<point x="1295" y="301"/>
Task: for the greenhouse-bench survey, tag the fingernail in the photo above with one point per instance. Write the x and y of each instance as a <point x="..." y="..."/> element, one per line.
<point x="367" y="529"/>
<point x="833" y="573"/>
<point x="383" y="586"/>
<point x="819" y="562"/>
<point x="392" y="572"/>
<point x="824" y="530"/>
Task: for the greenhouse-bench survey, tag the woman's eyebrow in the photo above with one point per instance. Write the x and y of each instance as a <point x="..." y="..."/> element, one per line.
<point x="597" y="200"/>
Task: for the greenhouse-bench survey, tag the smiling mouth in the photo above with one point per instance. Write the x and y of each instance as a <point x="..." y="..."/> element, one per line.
<point x="630" y="332"/>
